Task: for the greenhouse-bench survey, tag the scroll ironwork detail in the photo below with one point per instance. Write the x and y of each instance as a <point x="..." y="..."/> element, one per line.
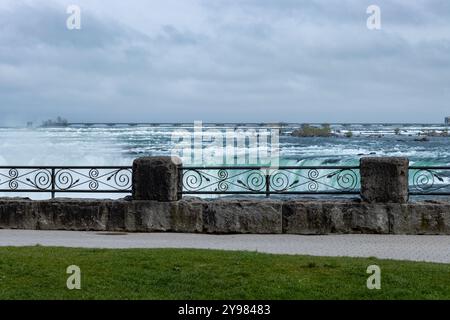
<point x="283" y="180"/>
<point x="429" y="180"/>
<point x="66" y="179"/>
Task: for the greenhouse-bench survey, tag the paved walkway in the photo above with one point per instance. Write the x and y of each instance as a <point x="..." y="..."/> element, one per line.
<point x="417" y="248"/>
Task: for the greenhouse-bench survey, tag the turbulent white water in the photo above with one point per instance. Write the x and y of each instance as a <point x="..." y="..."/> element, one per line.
<point x="99" y="146"/>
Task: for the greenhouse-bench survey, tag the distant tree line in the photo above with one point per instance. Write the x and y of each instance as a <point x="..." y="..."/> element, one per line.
<point x="307" y="130"/>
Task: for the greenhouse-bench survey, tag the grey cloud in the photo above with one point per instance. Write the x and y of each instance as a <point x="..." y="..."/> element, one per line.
<point x="251" y="60"/>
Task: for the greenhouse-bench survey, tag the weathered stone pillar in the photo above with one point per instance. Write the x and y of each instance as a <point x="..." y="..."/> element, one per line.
<point x="157" y="178"/>
<point x="384" y="179"/>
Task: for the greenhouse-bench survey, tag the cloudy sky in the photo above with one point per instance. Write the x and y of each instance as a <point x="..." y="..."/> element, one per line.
<point x="225" y="60"/>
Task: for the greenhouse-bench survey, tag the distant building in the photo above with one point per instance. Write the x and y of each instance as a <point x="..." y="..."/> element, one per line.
<point x="59" y="122"/>
<point x="447" y="121"/>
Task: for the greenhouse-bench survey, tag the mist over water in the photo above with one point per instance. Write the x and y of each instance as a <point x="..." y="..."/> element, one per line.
<point x="101" y="146"/>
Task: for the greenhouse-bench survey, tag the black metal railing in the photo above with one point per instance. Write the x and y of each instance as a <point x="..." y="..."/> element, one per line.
<point x="267" y="181"/>
<point x="244" y="180"/>
<point x="26" y="179"/>
<point x="429" y="180"/>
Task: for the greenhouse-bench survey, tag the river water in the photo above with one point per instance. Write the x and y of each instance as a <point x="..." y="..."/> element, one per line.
<point x="103" y="145"/>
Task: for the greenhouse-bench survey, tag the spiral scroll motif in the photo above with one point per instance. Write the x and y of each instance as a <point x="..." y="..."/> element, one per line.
<point x="43" y="180"/>
<point x="64" y="180"/>
<point x="313" y="174"/>
<point x="93" y="175"/>
<point x="347" y="180"/>
<point x="192" y="180"/>
<point x="13" y="175"/>
<point x="256" y="181"/>
<point x="424" y="180"/>
<point x="122" y="179"/>
<point x="279" y="181"/>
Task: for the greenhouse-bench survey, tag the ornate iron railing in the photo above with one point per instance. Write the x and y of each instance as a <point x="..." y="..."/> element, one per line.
<point x="429" y="180"/>
<point x="66" y="179"/>
<point x="267" y="181"/>
<point x="290" y="180"/>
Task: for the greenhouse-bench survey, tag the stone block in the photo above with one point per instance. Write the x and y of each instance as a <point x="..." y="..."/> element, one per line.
<point x="157" y="178"/>
<point x="245" y="216"/>
<point x="384" y="179"/>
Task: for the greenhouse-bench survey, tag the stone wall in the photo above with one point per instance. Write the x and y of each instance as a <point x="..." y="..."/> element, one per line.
<point x="307" y="217"/>
<point x="157" y="206"/>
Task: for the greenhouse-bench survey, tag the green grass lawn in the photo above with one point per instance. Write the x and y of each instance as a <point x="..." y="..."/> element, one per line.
<point x="40" y="273"/>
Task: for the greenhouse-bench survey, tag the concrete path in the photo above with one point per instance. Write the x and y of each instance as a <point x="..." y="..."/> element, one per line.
<point x="417" y="248"/>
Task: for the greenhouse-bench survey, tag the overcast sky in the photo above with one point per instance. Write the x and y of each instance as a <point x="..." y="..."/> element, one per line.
<point x="225" y="60"/>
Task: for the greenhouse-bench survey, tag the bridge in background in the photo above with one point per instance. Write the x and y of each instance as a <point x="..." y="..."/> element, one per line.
<point x="171" y="124"/>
